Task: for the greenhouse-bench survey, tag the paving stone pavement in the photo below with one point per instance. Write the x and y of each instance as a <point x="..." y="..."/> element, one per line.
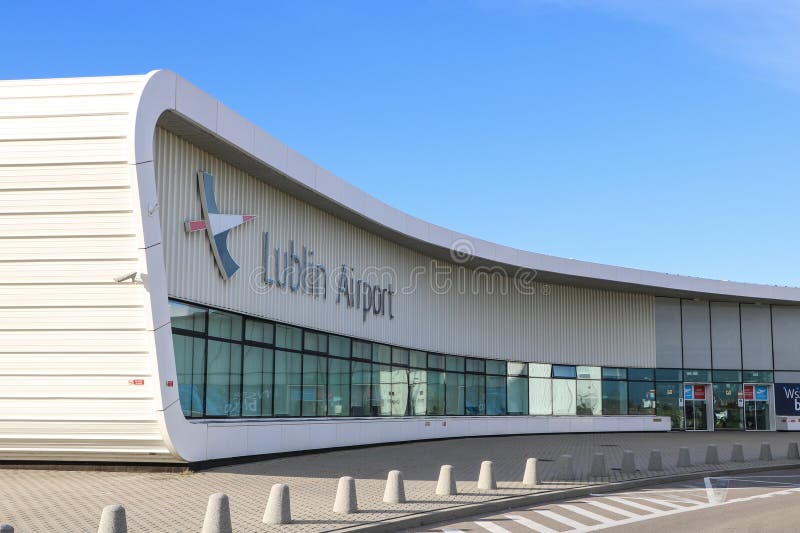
<point x="66" y="501"/>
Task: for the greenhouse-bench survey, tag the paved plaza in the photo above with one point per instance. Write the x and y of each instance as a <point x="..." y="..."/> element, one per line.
<point x="62" y="500"/>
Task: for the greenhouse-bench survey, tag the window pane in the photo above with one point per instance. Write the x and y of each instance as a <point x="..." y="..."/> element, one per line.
<point x="539" y="370"/>
<point x="190" y="366"/>
<point x="589" y="397"/>
<point x="495" y="367"/>
<point x="454" y="363"/>
<point x="517" y="369"/>
<point x="381" y="399"/>
<point x="454" y="401"/>
<point x="475" y="394"/>
<point x="257" y="382"/>
<point x="517" y="395"/>
<point x="667" y="395"/>
<point x="399" y="393"/>
<point x="381" y="353"/>
<point x="476" y="365"/>
<point x="615" y="397"/>
<point x="288" y="383"/>
<point x="418" y="389"/>
<point x="435" y="393"/>
<point x="224" y="325"/>
<point x="588" y="372"/>
<point x="338" y="346"/>
<point x="259" y="331"/>
<point x="701" y="376"/>
<point x="188" y="317"/>
<point x="729" y="376"/>
<point x="315" y="378"/>
<point x="399" y="356"/>
<point x="288" y="337"/>
<point x="641" y="374"/>
<point x="727" y="413"/>
<point x="362" y="350"/>
<point x="561" y="371"/>
<point x="564" y="391"/>
<point x="360" y="399"/>
<point x="641" y="398"/>
<point x="435" y="361"/>
<point x="418" y="359"/>
<point x="496" y="394"/>
<point x="757" y="376"/>
<point x="223" y="374"/>
<point x="540" y="394"/>
<point x="316" y="342"/>
<point x="338" y="387"/>
<point x="615" y="373"/>
<point x="669" y="374"/>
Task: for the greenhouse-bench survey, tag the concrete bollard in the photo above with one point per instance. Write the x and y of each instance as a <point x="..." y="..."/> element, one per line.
<point x="6" y="528"/>
<point x="346" y="501"/>
<point x="655" y="463"/>
<point x="395" y="491"/>
<point x="565" y="468"/>
<point x="766" y="452"/>
<point x="531" y="476"/>
<point x="218" y="515"/>
<point x="446" y="486"/>
<point x="712" y="455"/>
<point x="486" y="479"/>
<point x="278" y="509"/>
<point x="628" y="462"/>
<point x="737" y="452"/>
<point x="684" y="459"/>
<point x="599" y="468"/>
<point x="793" y="452"/>
<point x="111" y="521"/>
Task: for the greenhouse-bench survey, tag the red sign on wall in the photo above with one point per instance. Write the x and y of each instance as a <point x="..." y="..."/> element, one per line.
<point x="748" y="392"/>
<point x="699" y="392"/>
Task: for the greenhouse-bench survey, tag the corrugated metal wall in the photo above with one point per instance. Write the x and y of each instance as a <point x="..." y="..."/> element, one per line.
<point x="556" y="324"/>
<point x="70" y="337"/>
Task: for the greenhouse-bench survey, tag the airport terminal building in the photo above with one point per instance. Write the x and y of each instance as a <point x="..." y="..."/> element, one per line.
<point x="176" y="285"/>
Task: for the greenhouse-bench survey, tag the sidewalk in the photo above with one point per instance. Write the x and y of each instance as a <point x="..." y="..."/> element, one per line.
<point x="51" y="500"/>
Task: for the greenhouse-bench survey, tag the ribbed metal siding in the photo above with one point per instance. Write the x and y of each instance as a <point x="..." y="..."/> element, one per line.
<point x="70" y="337"/>
<point x="557" y="324"/>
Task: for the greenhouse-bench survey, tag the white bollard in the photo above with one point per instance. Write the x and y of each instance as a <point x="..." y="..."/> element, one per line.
<point x="766" y="452"/>
<point x="655" y="463"/>
<point x="628" y="462"/>
<point x="218" y="515"/>
<point x="486" y="479"/>
<point x="395" y="491"/>
<point x="112" y="520"/>
<point x="684" y="460"/>
<point x="446" y="486"/>
<point x="599" y="468"/>
<point x="565" y="468"/>
<point x="737" y="452"/>
<point x="6" y="528"/>
<point x="793" y="452"/>
<point x="346" y="501"/>
<point x="531" y="477"/>
<point x="278" y="509"/>
<point x="712" y="455"/>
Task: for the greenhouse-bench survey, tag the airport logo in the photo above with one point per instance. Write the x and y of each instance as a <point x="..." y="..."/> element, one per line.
<point x="217" y="225"/>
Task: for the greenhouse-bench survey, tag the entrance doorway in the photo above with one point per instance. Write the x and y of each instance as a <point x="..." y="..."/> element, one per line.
<point x="695" y="405"/>
<point x="757" y="407"/>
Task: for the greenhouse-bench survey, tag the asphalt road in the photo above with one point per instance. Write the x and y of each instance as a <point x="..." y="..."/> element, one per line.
<point x="765" y="501"/>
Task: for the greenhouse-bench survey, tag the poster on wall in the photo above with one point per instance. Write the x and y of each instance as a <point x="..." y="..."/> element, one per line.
<point x="787" y="399"/>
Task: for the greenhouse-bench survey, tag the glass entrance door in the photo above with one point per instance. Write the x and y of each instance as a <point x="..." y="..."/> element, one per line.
<point x="695" y="406"/>
<point x="756" y="407"/>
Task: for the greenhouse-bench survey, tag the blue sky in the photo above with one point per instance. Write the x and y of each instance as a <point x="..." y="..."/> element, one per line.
<point x="660" y="135"/>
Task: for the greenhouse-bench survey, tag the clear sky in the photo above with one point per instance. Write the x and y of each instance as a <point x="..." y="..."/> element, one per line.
<point x="662" y="135"/>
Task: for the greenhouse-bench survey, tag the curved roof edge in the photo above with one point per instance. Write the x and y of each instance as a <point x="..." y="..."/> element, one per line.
<point x="211" y="125"/>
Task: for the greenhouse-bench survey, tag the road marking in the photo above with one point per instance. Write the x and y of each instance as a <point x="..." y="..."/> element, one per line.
<point x="612" y="509"/>
<point x="665" y="503"/>
<point x="530" y="524"/>
<point x="563" y="519"/>
<point x="635" y="505"/>
<point x="588" y="514"/>
<point x="445" y="530"/>
<point x="491" y="526"/>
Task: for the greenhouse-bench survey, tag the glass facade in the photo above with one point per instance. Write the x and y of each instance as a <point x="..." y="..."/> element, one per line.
<point x="229" y="365"/>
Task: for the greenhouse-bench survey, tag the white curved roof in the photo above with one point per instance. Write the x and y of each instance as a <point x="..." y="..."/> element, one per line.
<point x="215" y="127"/>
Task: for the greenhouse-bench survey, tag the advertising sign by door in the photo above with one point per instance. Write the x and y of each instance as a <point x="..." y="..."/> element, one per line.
<point x="699" y="392"/>
<point x="787" y="399"/>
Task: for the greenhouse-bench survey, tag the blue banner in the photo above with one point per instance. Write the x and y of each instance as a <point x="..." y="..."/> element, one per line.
<point x="688" y="392"/>
<point x="787" y="399"/>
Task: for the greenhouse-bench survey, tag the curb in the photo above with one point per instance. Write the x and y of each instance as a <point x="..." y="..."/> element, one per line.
<point x="463" y="511"/>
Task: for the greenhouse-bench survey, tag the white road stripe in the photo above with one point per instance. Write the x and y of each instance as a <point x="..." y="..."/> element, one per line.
<point x="491" y="526"/>
<point x="588" y="514"/>
<point x="563" y="519"/>
<point x="445" y="530"/>
<point x="530" y="524"/>
<point x="635" y="505"/>
<point x="612" y="509"/>
<point x="665" y="503"/>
